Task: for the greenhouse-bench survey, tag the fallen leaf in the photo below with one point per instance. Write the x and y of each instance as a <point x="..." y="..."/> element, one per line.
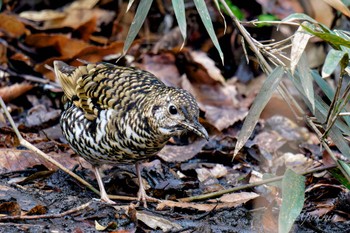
<point x="239" y="198"/>
<point x="155" y="222"/>
<point x="11" y="208"/>
<point x="163" y="67"/>
<point x="43" y="15"/>
<point x="64" y="45"/>
<point x="10" y="93"/>
<point x="11" y="26"/>
<point x="15" y="160"/>
<point x="196" y="206"/>
<point x="217" y="171"/>
<point x="171" y="153"/>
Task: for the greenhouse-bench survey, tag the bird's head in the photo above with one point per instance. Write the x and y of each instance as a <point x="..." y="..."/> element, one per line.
<point x="176" y="111"/>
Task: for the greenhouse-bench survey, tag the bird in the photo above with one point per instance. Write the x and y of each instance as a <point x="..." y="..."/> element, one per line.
<point x="121" y="115"/>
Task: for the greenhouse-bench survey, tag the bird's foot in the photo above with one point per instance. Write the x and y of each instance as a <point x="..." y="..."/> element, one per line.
<point x="105" y="198"/>
<point x="143" y="197"/>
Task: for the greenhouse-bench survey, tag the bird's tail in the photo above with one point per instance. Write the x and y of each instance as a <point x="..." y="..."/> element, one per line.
<point x="67" y="76"/>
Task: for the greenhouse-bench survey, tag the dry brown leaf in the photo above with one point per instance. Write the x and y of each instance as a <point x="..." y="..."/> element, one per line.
<point x="89" y="53"/>
<point x="217" y="101"/>
<point x="239" y="198"/>
<point x="10" y="93"/>
<point x="43" y="15"/>
<point x="15" y="160"/>
<point x="64" y="45"/>
<point x="163" y="67"/>
<point x="156" y="222"/>
<point x="81" y="4"/>
<point x="197" y="206"/>
<point x="216" y="172"/>
<point x="11" y="208"/>
<point x="77" y="17"/>
<point x="3" y="54"/>
<point x="181" y="153"/>
<point x="11" y="26"/>
<point x="224" y="117"/>
<point x="37" y="210"/>
<point x="203" y="59"/>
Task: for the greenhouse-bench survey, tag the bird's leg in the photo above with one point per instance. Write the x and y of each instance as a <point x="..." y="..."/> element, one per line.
<point x="104" y="195"/>
<point x="141" y="194"/>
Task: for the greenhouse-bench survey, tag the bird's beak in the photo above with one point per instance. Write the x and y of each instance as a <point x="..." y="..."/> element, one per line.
<point x="196" y="128"/>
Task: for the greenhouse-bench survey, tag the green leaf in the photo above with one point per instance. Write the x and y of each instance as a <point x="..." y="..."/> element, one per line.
<point x="234" y="9"/>
<point x="339" y="141"/>
<point x="340" y="176"/>
<point x="333" y="59"/>
<point x="179" y="9"/>
<point x="331" y="38"/>
<point x="300" y="17"/>
<point x="140" y="16"/>
<point x="204" y="14"/>
<point x="258" y="105"/>
<point x="293" y="189"/>
<point x="306" y="80"/>
<point x="323" y="85"/>
<point x="321" y="108"/>
<point x="329" y="92"/>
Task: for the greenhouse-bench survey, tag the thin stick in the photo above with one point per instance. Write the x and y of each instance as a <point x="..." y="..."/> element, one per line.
<point x="222" y="192"/>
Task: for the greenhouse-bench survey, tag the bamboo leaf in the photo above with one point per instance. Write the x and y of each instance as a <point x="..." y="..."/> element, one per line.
<point x="204" y="14"/>
<point x="306" y="80"/>
<point x="140" y="16"/>
<point x="293" y="189"/>
<point x="258" y="105"/>
<point x="333" y="59"/>
<point x="299" y="17"/>
<point x="179" y="9"/>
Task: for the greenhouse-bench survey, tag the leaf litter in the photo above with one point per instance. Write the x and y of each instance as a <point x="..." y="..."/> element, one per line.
<point x="37" y="196"/>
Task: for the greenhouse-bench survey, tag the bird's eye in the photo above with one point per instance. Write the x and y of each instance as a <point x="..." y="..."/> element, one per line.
<point x="172" y="110"/>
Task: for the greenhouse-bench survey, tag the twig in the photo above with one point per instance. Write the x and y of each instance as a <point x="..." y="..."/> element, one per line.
<point x="222" y="192"/>
<point x="263" y="63"/>
<point x="31" y="147"/>
<point x="31" y="217"/>
<point x="325" y="145"/>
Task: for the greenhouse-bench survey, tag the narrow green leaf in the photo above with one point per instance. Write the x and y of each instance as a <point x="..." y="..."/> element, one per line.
<point x="204" y="14"/>
<point x="306" y="80"/>
<point x="323" y="85"/>
<point x="300" y="17"/>
<point x="329" y="92"/>
<point x="179" y="9"/>
<point x="321" y="108"/>
<point x="140" y="16"/>
<point x="339" y="141"/>
<point x="333" y="59"/>
<point x="340" y="176"/>
<point x="258" y="105"/>
<point x="333" y="39"/>
<point x="293" y="189"/>
<point x="345" y="166"/>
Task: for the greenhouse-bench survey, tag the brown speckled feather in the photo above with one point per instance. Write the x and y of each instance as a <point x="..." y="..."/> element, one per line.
<point x="120" y="115"/>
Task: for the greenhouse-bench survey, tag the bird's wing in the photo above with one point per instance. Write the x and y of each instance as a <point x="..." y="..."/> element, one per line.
<point x="94" y="87"/>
